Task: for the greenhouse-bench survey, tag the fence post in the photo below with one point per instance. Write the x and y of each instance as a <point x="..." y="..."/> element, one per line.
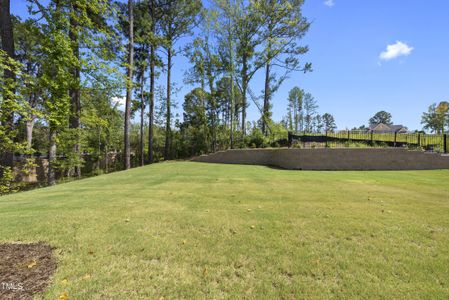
<point x="372" y="141"/>
<point x="290" y="139"/>
<point x="445" y="143"/>
<point x="395" y="138"/>
<point x="419" y="139"/>
<point x="348" y="135"/>
<point x="326" y="140"/>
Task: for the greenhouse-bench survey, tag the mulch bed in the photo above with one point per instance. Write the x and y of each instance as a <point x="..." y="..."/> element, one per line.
<point x="25" y="269"/>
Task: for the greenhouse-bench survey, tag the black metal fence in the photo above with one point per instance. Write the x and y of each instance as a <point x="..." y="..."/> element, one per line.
<point x="348" y="138"/>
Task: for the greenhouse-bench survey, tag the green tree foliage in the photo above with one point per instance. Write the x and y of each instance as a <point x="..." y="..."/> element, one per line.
<point x="75" y="42"/>
<point x="8" y="69"/>
<point x="226" y="10"/>
<point x="62" y="72"/>
<point x="317" y="123"/>
<point x="295" y="109"/>
<point x="329" y="122"/>
<point x="248" y="23"/>
<point x="228" y="97"/>
<point x="143" y="42"/>
<point x="28" y="39"/>
<point x="154" y="42"/>
<point x="436" y="119"/>
<point x="178" y="17"/>
<point x="206" y="66"/>
<point x="103" y="125"/>
<point x="87" y="28"/>
<point x="381" y="117"/>
<point x="310" y="109"/>
<point x="283" y="28"/>
<point x="92" y="46"/>
<point x="129" y="85"/>
<point x="6" y="180"/>
<point x="195" y="130"/>
<point x="10" y="102"/>
<point x="57" y="61"/>
<point x="55" y="82"/>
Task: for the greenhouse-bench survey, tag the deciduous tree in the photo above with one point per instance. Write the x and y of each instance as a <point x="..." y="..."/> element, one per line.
<point x="381" y="117"/>
<point x="8" y="89"/>
<point x="284" y="26"/>
<point x="178" y="17"/>
<point x="329" y="122"/>
<point x="436" y="119"/>
<point x="129" y="85"/>
<point x="295" y="105"/>
<point x="310" y="107"/>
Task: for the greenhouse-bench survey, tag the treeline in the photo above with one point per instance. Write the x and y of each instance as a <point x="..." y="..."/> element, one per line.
<point x="436" y="119"/>
<point x="63" y="69"/>
<point x="302" y="114"/>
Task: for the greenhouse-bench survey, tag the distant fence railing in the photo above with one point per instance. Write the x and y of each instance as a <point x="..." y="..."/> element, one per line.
<point x="429" y="142"/>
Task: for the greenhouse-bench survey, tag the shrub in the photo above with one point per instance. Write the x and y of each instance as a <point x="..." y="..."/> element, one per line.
<point x="6" y="180"/>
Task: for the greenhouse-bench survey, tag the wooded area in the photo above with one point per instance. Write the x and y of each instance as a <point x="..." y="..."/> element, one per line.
<point x="64" y="68"/>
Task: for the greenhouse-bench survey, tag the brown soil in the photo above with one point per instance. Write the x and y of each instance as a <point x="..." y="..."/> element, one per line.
<point x="25" y="269"/>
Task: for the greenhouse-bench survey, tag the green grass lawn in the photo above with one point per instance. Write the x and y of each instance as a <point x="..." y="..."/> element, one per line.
<point x="208" y="231"/>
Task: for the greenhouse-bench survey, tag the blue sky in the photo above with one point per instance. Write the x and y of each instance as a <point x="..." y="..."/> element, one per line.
<point x="352" y="82"/>
<point x="355" y="75"/>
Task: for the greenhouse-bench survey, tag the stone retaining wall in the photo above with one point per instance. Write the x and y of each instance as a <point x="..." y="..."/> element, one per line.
<point x="332" y="159"/>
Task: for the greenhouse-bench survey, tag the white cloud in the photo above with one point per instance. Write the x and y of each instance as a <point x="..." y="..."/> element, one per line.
<point x="396" y="50"/>
<point x="329" y="3"/>
<point x="121" y="101"/>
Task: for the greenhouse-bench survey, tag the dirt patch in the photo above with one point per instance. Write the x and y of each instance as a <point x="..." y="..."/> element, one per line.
<point x="25" y="269"/>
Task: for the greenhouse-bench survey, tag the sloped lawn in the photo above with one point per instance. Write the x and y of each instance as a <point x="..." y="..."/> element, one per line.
<point x="208" y="231"/>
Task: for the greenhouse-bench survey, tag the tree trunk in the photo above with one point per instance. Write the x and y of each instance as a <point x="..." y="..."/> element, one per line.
<point x="214" y="127"/>
<point x="296" y="114"/>
<point x="74" y="92"/>
<point x="29" y="125"/>
<point x="231" y="76"/>
<point x="214" y="113"/>
<point x="106" y="159"/>
<point x="51" y="157"/>
<point x="266" y="99"/>
<point x="267" y="91"/>
<point x="152" y="76"/>
<point x="142" y="113"/>
<point x="168" y="118"/>
<point x="29" y="130"/>
<point x="6" y="31"/>
<point x="244" y="89"/>
<point x="151" y="108"/>
<point x="7" y="42"/>
<point x="231" y="117"/>
<point x="129" y="87"/>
